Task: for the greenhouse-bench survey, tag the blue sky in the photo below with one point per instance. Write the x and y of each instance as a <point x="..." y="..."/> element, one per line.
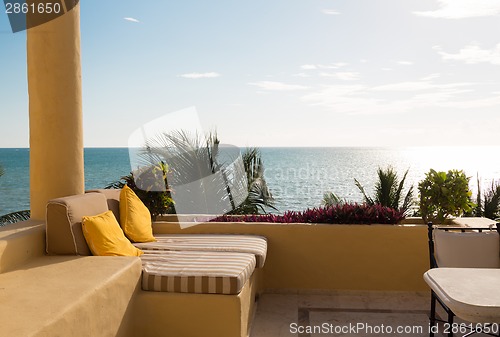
<point x="281" y="72"/>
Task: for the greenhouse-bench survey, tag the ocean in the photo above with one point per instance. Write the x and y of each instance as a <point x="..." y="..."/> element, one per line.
<point x="297" y="177"/>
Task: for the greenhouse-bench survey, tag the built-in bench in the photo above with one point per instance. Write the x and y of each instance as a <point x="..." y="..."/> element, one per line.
<point x="198" y="285"/>
<point x="62" y="295"/>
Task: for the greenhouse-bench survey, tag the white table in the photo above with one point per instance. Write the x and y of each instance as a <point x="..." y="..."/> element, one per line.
<point x="473" y="222"/>
<point x="472" y="294"/>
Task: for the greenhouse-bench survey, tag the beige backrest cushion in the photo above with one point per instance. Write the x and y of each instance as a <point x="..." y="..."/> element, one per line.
<point x="467" y="249"/>
<point x="64" y="222"/>
<point x="113" y="198"/>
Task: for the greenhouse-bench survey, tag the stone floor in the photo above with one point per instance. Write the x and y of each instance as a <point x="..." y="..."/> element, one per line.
<point x="343" y="313"/>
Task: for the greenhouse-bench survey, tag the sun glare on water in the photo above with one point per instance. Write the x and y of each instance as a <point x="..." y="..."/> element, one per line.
<point x="482" y="161"/>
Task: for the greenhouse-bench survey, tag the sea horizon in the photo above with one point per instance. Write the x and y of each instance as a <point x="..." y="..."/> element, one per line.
<point x="297" y="176"/>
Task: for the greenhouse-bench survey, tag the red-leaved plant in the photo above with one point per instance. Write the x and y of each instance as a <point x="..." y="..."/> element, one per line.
<point x="350" y="213"/>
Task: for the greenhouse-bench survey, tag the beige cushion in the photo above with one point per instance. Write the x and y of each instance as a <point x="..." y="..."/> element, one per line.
<point x="468" y="292"/>
<point x="467" y="249"/>
<point x="64" y="222"/>
<point x="196" y="272"/>
<point x="251" y="244"/>
<point x="113" y="199"/>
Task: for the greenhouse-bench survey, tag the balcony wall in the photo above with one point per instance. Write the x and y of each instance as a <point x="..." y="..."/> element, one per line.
<point x="308" y="257"/>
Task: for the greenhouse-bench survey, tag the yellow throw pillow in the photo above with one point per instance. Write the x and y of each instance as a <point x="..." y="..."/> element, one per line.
<point x="135" y="217"/>
<point x="105" y="237"/>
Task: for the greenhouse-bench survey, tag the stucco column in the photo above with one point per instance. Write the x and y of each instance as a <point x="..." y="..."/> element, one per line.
<point x="55" y="111"/>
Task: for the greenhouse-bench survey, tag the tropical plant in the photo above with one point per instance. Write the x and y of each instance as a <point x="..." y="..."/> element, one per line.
<point x="259" y="197"/>
<point x="389" y="190"/>
<point x="331" y="199"/>
<point x="207" y="177"/>
<point x="150" y="186"/>
<point x="348" y="213"/>
<point x="14" y="216"/>
<point x="199" y="179"/>
<point x="488" y="202"/>
<point x="444" y="194"/>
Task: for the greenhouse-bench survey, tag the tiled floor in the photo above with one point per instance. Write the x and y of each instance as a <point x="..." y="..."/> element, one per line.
<point x="343" y="313"/>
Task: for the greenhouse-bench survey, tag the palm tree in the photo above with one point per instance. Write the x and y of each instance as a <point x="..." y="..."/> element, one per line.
<point x="206" y="176"/>
<point x="259" y="197"/>
<point x="488" y="203"/>
<point x="15" y="216"/>
<point x="388" y="190"/>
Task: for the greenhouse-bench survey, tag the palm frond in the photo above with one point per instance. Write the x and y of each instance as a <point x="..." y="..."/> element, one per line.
<point x="254" y="168"/>
<point x="14" y="217"/>
<point x="479" y="211"/>
<point x="367" y="198"/>
<point x="491" y="201"/>
<point x="331" y="199"/>
<point x="385" y="187"/>
<point x="388" y="190"/>
<point x="408" y="200"/>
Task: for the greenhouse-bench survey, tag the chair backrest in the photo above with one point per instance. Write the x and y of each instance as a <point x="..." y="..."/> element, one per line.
<point x="464" y="247"/>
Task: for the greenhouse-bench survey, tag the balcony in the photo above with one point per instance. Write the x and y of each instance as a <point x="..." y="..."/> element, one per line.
<point x="314" y="274"/>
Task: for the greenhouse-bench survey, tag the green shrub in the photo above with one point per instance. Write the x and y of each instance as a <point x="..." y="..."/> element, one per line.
<point x="444" y="194"/>
<point x="153" y="192"/>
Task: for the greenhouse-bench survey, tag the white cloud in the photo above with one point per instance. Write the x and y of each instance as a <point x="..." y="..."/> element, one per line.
<point x="344" y="76"/>
<point x="349" y="99"/>
<point x="386" y="69"/>
<point x="300" y="75"/>
<point x="404" y="86"/>
<point x="336" y="65"/>
<point x="330" y="12"/>
<point x="472" y="54"/>
<point x="418" y="86"/>
<point x="277" y="86"/>
<point x="430" y="77"/>
<point x="399" y="97"/>
<point x="459" y="9"/>
<point x="131" y="20"/>
<point x="200" y="75"/>
<point x="405" y="63"/>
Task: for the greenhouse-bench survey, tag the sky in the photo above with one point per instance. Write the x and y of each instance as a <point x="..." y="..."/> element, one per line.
<point x="280" y="72"/>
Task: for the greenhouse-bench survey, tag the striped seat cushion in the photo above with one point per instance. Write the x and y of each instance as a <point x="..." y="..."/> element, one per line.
<point x="251" y="244"/>
<point x="196" y="272"/>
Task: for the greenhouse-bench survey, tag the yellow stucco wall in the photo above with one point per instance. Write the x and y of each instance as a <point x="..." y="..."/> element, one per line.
<point x="20" y="243"/>
<point x="334" y="257"/>
<point x="300" y="257"/>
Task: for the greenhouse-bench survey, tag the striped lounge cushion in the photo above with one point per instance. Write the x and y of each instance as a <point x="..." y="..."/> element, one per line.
<point x="251" y="244"/>
<point x="196" y="272"/>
